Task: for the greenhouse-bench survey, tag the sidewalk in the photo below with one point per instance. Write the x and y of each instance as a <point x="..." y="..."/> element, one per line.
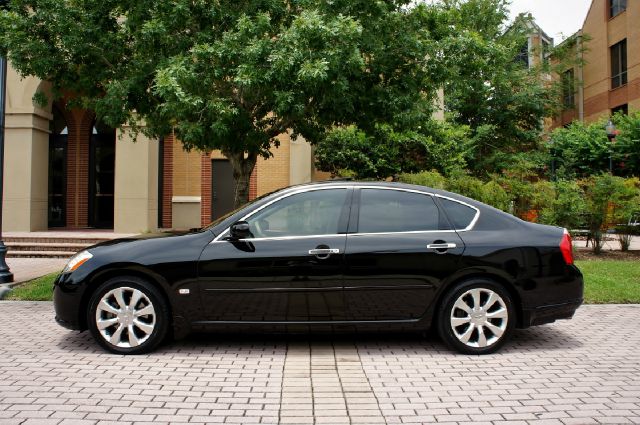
<point x="25" y="269"/>
<point x="610" y="244"/>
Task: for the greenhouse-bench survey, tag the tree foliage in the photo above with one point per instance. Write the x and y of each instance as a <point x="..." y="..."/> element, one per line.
<point x="503" y="100"/>
<point x="581" y="149"/>
<point x="385" y="152"/>
<point x="231" y="74"/>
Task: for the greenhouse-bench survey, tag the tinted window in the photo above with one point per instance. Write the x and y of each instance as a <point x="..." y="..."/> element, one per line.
<point x="309" y="213"/>
<point x="459" y="214"/>
<point x="396" y="211"/>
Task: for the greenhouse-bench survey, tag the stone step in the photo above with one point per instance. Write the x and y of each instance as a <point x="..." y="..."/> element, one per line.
<point x="40" y="254"/>
<point x="45" y="246"/>
<point x="55" y="239"/>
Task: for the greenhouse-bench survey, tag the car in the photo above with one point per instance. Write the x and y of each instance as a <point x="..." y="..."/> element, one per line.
<point x="330" y="256"/>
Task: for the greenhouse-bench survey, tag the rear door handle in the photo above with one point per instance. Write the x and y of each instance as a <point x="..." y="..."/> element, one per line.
<point x="324" y="251"/>
<point x="441" y="246"/>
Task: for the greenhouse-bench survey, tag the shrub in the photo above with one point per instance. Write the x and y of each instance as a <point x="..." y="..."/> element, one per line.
<point x="609" y="200"/>
<point x="567" y="208"/>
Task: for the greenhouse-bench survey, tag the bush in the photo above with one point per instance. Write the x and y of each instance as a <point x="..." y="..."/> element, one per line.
<point x="610" y="200"/>
<point x="567" y="208"/>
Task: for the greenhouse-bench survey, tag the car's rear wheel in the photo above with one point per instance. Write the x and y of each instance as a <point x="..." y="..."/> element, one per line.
<point x="476" y="317"/>
<point x="127" y="315"/>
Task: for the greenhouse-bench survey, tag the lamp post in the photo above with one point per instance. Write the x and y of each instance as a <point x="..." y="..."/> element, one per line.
<point x="5" y="274"/>
<point x="611" y="135"/>
<point x="553" y="159"/>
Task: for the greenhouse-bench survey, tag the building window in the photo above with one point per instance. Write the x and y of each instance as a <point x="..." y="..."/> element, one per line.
<point x="568" y="89"/>
<point x="523" y="55"/>
<point x="624" y="109"/>
<point x="616" y="7"/>
<point x="619" y="64"/>
<point x="545" y="51"/>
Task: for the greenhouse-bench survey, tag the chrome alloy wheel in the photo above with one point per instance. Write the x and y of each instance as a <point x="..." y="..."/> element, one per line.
<point x="125" y="317"/>
<point x="479" y="318"/>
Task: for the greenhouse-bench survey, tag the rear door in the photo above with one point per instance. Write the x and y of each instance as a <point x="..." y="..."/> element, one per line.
<point x="399" y="248"/>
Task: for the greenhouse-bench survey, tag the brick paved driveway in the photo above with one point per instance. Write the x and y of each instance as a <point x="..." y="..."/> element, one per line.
<point x="582" y="371"/>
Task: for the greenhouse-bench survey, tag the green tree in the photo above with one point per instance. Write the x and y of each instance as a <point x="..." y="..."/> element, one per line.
<point x="501" y="98"/>
<point x="383" y="151"/>
<point x="583" y="149"/>
<point x="231" y="74"/>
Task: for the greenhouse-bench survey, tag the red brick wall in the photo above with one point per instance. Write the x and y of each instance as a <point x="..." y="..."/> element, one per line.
<point x="79" y="124"/>
<point x="205" y="188"/>
<point x="167" y="182"/>
<point x="253" y="183"/>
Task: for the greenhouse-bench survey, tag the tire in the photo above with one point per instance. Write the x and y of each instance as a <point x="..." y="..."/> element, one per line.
<point x="134" y="329"/>
<point x="469" y="330"/>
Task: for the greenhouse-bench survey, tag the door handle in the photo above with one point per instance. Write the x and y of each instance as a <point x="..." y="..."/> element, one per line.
<point x="324" y="251"/>
<point x="441" y="246"/>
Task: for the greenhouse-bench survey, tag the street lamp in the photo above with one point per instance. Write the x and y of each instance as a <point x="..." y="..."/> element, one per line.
<point x="5" y="274"/>
<point x="553" y="159"/>
<point x="611" y="135"/>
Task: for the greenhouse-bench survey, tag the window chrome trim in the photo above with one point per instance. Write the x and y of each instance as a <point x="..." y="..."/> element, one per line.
<point x="284" y="238"/>
<point x="313" y="189"/>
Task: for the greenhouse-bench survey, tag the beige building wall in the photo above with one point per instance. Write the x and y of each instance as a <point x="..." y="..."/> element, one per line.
<point x="26" y="161"/>
<point x="604" y="32"/>
<point x="185" y="202"/>
<point x="136" y="184"/>
<point x="273" y="173"/>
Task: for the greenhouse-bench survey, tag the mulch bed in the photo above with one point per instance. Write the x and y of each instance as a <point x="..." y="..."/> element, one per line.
<point x="587" y="254"/>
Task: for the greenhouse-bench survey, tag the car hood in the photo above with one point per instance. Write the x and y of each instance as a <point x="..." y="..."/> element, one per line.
<point x="145" y="237"/>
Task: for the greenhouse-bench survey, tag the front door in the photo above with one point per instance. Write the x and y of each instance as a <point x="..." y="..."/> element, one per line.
<point x="222" y="188"/>
<point x="291" y="270"/>
<point x="399" y="249"/>
<point x="102" y="155"/>
<point x="57" y="180"/>
<point x="57" y="202"/>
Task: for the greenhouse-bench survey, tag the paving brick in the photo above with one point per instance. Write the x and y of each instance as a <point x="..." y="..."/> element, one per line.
<point x="570" y="372"/>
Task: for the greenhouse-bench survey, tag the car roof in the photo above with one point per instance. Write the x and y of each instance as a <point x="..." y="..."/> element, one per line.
<point x="385" y="184"/>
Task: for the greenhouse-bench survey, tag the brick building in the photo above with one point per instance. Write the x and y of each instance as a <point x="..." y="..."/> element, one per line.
<point x="609" y="79"/>
<point x="65" y="170"/>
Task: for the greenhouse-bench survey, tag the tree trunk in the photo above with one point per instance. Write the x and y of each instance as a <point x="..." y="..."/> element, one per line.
<point x="242" y="169"/>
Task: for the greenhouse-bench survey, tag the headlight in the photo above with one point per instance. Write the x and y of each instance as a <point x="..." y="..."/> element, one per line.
<point x="77" y="260"/>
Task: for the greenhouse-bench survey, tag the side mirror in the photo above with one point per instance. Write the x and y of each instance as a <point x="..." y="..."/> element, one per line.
<point x="240" y="230"/>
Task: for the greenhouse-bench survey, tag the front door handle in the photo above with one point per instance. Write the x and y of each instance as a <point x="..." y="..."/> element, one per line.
<point x="324" y="251"/>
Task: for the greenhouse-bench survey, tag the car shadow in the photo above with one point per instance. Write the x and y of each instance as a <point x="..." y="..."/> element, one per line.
<point x="539" y="338"/>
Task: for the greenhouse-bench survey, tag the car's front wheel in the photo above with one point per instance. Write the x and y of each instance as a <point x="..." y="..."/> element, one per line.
<point x="476" y="317"/>
<point x="127" y="315"/>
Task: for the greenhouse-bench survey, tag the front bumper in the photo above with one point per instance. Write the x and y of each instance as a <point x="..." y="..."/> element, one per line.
<point x="67" y="302"/>
<point x="550" y="313"/>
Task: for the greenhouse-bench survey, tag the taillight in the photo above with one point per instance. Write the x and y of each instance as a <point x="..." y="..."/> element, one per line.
<point x="566" y="248"/>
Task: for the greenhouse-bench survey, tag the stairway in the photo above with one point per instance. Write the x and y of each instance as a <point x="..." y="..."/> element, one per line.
<point x="49" y="246"/>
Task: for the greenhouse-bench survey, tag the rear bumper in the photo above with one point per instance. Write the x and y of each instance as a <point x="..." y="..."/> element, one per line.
<point x="550" y="313"/>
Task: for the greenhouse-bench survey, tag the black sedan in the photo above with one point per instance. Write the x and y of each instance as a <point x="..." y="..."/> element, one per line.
<point x="337" y="256"/>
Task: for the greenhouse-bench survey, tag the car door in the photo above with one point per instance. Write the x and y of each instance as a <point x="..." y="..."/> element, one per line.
<point x="291" y="268"/>
<point x="399" y="248"/>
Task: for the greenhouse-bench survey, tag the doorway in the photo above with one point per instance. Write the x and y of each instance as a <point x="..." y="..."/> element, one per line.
<point x="57" y="196"/>
<point x="102" y="156"/>
<point x="222" y="187"/>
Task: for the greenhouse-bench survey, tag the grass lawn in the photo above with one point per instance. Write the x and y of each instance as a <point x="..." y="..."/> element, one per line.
<point x="40" y="289"/>
<point x="606" y="282"/>
<point x="611" y="281"/>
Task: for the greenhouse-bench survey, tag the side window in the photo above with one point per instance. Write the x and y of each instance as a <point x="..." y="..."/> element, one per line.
<point x="459" y="214"/>
<point x="303" y="214"/>
<point x="396" y="211"/>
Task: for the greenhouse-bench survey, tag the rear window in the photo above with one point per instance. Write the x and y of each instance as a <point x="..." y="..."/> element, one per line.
<point x="384" y="211"/>
<point x="459" y="214"/>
